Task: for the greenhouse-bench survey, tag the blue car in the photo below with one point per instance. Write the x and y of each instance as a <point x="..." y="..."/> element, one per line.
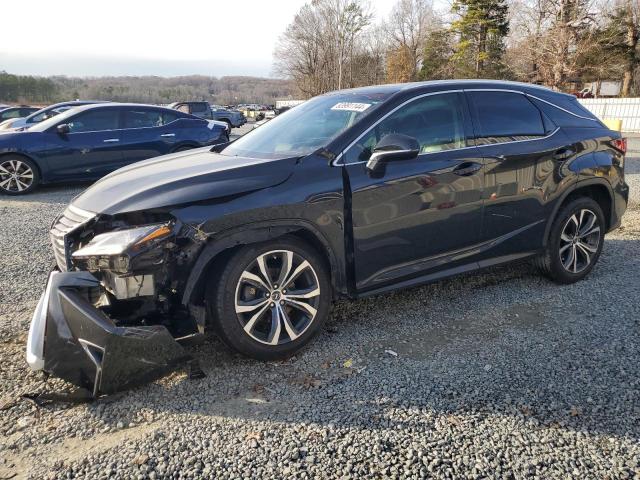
<point x="22" y="123"/>
<point x="88" y="142"/>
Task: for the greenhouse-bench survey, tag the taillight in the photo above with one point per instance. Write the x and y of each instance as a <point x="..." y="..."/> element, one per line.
<point x="620" y="144"/>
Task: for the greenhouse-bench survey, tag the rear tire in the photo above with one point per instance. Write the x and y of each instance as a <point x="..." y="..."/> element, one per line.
<point x="270" y="299"/>
<point x="18" y="175"/>
<point x="575" y="242"/>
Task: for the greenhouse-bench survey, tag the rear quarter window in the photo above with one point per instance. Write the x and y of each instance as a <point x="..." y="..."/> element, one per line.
<point x="567" y="112"/>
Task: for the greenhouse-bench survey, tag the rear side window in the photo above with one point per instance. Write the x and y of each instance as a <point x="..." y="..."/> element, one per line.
<point x="95" y="121"/>
<point x="504" y="117"/>
<point x="168" y="117"/>
<point x="199" y="108"/>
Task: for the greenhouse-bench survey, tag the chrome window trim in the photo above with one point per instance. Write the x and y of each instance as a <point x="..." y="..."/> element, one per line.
<point x="335" y="163"/>
<point x="563" y="109"/>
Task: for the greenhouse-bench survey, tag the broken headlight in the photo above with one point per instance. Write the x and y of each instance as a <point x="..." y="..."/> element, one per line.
<point x="113" y="250"/>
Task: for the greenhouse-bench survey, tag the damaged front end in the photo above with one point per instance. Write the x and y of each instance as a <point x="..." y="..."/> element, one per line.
<point x="110" y="317"/>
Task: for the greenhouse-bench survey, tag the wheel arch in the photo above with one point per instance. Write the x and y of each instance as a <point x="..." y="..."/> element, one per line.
<point x="218" y="250"/>
<point x="597" y="189"/>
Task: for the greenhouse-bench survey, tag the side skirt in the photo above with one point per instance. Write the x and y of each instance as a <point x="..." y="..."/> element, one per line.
<point x="450" y="272"/>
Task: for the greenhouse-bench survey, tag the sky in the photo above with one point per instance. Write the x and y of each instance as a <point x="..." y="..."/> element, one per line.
<point x="145" y="37"/>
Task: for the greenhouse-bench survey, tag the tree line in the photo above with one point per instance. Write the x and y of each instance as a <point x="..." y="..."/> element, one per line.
<point x="333" y="44"/>
<point x="149" y="89"/>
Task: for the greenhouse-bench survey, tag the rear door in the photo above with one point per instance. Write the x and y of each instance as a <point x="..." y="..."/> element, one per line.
<point x="421" y="215"/>
<point x="520" y="148"/>
<point x="147" y="132"/>
<point x="90" y="150"/>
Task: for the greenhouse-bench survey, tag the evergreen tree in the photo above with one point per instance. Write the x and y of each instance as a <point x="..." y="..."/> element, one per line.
<point x="480" y="28"/>
<point x="436" y="63"/>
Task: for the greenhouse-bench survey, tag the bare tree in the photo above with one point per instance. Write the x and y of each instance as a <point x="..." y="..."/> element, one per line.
<point x="407" y="28"/>
<point x="320" y="49"/>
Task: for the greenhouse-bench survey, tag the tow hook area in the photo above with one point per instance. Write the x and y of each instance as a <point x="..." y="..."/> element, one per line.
<point x="72" y="339"/>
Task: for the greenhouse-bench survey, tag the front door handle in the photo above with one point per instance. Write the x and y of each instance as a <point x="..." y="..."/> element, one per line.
<point x="563" y="154"/>
<point x="467" y="168"/>
<point x="111" y="140"/>
<point x="168" y="135"/>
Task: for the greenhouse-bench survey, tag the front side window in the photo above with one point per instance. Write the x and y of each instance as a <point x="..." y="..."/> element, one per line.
<point x="308" y="127"/>
<point x="94" y="121"/>
<point x="435" y="121"/>
<point x="504" y="117"/>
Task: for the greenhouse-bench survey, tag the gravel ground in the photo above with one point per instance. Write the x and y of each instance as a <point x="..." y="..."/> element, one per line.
<point x="501" y="375"/>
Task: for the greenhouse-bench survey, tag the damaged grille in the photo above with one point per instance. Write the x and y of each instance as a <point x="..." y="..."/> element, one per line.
<point x="70" y="220"/>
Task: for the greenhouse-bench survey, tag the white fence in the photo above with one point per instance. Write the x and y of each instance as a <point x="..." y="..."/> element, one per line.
<point x="625" y="109"/>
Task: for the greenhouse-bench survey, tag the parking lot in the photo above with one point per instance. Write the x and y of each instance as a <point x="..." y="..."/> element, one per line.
<point x="501" y="374"/>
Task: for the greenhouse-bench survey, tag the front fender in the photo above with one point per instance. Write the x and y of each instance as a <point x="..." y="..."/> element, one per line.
<point x="255" y="233"/>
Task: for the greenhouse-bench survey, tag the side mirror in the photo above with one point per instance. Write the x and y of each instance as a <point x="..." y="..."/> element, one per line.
<point x="63" y="128"/>
<point x="394" y="146"/>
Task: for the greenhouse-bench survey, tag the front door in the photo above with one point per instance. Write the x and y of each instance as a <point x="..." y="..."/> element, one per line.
<point x="421" y="215"/>
<point x="90" y="150"/>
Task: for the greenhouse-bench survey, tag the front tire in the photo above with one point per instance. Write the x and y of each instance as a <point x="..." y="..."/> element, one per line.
<point x="270" y="299"/>
<point x="18" y="175"/>
<point x="575" y="242"/>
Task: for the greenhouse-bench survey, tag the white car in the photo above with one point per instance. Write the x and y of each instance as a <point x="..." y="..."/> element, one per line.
<point x="22" y="123"/>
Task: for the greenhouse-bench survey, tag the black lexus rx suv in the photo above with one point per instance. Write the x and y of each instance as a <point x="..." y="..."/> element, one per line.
<point x="352" y="193"/>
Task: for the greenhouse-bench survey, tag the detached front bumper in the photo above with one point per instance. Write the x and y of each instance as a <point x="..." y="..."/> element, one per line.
<point x="72" y="339"/>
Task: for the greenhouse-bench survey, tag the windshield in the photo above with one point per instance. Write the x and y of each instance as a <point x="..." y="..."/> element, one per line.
<point x="307" y="127"/>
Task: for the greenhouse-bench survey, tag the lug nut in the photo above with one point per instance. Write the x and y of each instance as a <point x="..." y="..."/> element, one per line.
<point x="275" y="286"/>
<point x="272" y="304"/>
<point x="281" y="302"/>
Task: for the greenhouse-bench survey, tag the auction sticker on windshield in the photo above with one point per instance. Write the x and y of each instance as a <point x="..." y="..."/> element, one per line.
<point x="351" y="106"/>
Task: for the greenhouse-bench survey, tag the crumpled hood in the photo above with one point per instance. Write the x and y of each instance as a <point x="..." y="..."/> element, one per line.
<point x="191" y="176"/>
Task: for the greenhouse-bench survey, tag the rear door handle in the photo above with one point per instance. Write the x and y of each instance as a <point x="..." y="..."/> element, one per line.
<point x="467" y="168"/>
<point x="168" y="135"/>
<point x="563" y="154"/>
<point x="111" y="140"/>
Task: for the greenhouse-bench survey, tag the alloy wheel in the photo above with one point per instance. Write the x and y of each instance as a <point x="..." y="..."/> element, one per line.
<point x="277" y="297"/>
<point x="579" y="241"/>
<point x="15" y="176"/>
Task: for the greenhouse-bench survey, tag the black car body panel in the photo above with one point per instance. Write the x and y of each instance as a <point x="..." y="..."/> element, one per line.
<point x="476" y="197"/>
<point x="185" y="177"/>
<point x="91" y="351"/>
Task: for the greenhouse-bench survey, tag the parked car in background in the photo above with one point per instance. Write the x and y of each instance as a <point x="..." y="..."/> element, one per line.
<point x="42" y="114"/>
<point x="199" y="109"/>
<point x="87" y="142"/>
<point x="252" y="111"/>
<point x="350" y="194"/>
<point x="16" y="112"/>
<point x="202" y="110"/>
<point x="233" y="118"/>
